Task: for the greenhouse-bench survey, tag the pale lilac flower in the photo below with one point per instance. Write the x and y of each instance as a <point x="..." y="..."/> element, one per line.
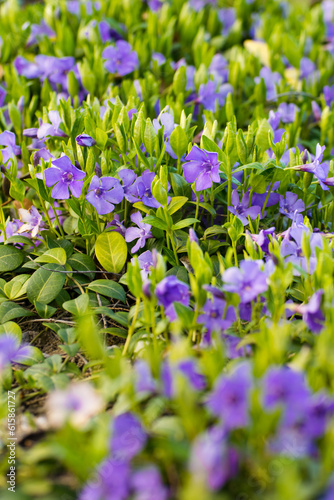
<point x="142" y="232"/>
<point x="166" y="120"/>
<point x="289" y="205"/>
<point x="77" y="404"/>
<point x="144" y="380"/>
<point x="120" y="58"/>
<point x="307" y="68"/>
<point x="3" y="94"/>
<point x="291" y="247"/>
<point x="216" y="317"/>
<point x="248" y="281"/>
<point x="316" y="167"/>
<point x="42" y="153"/>
<point x="147" y="484"/>
<point x="11" y="351"/>
<point x="189" y="368"/>
<point x="167" y="380"/>
<point x="262" y="239"/>
<point x="329" y="95"/>
<point x="287" y="112"/>
<point x="203" y="167"/>
<point x="209" y="96"/>
<point x="271" y="79"/>
<point x="312" y="313"/>
<point x="38" y="31"/>
<point x="158" y="58"/>
<point x="65" y="176"/>
<point x="112" y="482"/>
<point x="227" y="17"/>
<point x="32" y="221"/>
<point x="145" y="261"/>
<point x="242" y="209"/>
<point x="103" y="192"/>
<point x="219" y="69"/>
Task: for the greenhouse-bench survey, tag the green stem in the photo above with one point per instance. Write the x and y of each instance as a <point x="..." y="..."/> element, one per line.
<point x="229" y="189"/>
<point x="57" y="219"/>
<point x="197" y="209"/>
<point x="174" y="249"/>
<point x="267" y="198"/>
<point x="132" y="327"/>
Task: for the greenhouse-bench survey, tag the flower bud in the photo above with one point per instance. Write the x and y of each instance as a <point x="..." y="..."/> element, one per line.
<point x="85" y="140"/>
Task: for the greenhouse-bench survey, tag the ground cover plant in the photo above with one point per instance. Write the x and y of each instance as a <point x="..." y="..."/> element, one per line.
<point x="166" y="253"/>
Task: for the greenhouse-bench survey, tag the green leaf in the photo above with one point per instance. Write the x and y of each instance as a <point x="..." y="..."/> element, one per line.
<point x="108" y="288"/>
<point x="10" y="258"/>
<point x="83" y="263"/>
<point x="184" y="223"/>
<point x="53" y="256"/>
<point x="111" y="251"/>
<point x="101" y="138"/>
<point x="17" y="286"/>
<point x="11" y="328"/>
<point x="77" y="306"/>
<point x="156" y="222"/>
<point x="149" y="136"/>
<point x="10" y="310"/>
<point x="35" y="356"/>
<point x="211" y="146"/>
<point x="43" y="310"/>
<point x="45" y="284"/>
<point x="118" y="332"/>
<point x="176" y="203"/>
<point x="179" y="141"/>
<point x="261" y="138"/>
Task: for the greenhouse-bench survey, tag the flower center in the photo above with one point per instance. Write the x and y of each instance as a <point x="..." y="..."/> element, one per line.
<point x="68" y="178"/>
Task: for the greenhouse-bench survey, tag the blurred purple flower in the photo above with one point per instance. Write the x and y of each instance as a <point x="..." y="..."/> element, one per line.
<point x="291" y="248"/>
<point x="147" y="484"/>
<point x="203" y="167"/>
<point x="8" y="140"/>
<point x="271" y="79"/>
<point x="38" y="31"/>
<point x="329" y="95"/>
<point x="171" y="290"/>
<point x="216" y="317"/>
<point x="189" y="368"/>
<point x="145" y="261"/>
<point x="154" y="5"/>
<point x="85" y="140"/>
<point x="227" y="17"/>
<point x="312" y="313"/>
<point x="158" y="58"/>
<point x="120" y="58"/>
<point x="167" y="121"/>
<point x="243" y="210"/>
<point x="307" y="68"/>
<point x="229" y="399"/>
<point x="112" y="482"/>
<point x="316" y="167"/>
<point x="3" y="94"/>
<point x="128" y="437"/>
<point x="219" y="69"/>
<point x="103" y="192"/>
<point x="287" y="112"/>
<point x="142" y="232"/>
<point x="289" y="205"/>
<point x="167" y="381"/>
<point x="262" y="239"/>
<point x="65" y="176"/>
<point x="11" y="351"/>
<point x="144" y="380"/>
<point x="248" y="281"/>
<point x="209" y="95"/>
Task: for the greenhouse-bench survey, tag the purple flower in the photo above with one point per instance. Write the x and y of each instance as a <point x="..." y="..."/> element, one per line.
<point x="103" y="192"/>
<point x="65" y="176"/>
<point x="216" y="317"/>
<point x="307" y="67"/>
<point x="271" y="79"/>
<point x="211" y="460"/>
<point x="229" y="399"/>
<point x="243" y="210"/>
<point x="312" y="313"/>
<point x="285" y="387"/>
<point x="143" y="377"/>
<point x="198" y="5"/>
<point x="112" y="482"/>
<point x="219" y="69"/>
<point x="12" y="228"/>
<point x="145" y="261"/>
<point x="167" y="121"/>
<point x="11" y="351"/>
<point x="38" y="31"/>
<point x="167" y="380"/>
<point x="32" y="221"/>
<point x="11" y="150"/>
<point x="262" y="239"/>
<point x="203" y="167"/>
<point x="248" y="281"/>
<point x="140" y="190"/>
<point x="190" y="370"/>
<point x="289" y="205"/>
<point x="120" y="58"/>
<point x="128" y="178"/>
<point x="147" y="484"/>
<point x="85" y="140"/>
<point x="154" y="5"/>
<point x="209" y="95"/>
<point x="329" y="95"/>
<point x="128" y="437"/>
<point x="3" y="94"/>
<point x="117" y="225"/>
<point x="287" y="112"/>
<point x="42" y="153"/>
<point x="142" y="232"/>
<point x="158" y="58"/>
<point x="227" y="17"/>
<point x="316" y="167"/>
<point x="171" y="290"/>
<point x="107" y="33"/>
<point x="51" y="130"/>
<point x="291" y="248"/>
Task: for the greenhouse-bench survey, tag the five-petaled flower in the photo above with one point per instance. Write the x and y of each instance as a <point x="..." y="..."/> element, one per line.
<point x="65" y="177"/>
<point x="120" y="58"/>
<point x="203" y="167"/>
<point x="142" y="232"/>
<point x="103" y="192"/>
<point x="242" y="209"/>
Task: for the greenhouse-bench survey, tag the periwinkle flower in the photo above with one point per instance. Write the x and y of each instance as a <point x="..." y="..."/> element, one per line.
<point x="77" y="404"/>
<point x="316" y="167"/>
<point x="11" y="351"/>
<point x="291" y="248"/>
<point x="147" y="484"/>
<point x="167" y="380"/>
<point x="248" y="281"/>
<point x="312" y="313"/>
<point x="128" y="437"/>
<point x="32" y="221"/>
<point x="216" y="317"/>
<point x="307" y="67"/>
<point x="140" y="190"/>
<point x="209" y="96"/>
<point x="3" y="94"/>
<point x="189" y="368"/>
<point x="316" y="110"/>
<point x="128" y="178"/>
<point x="171" y="290"/>
<point x="271" y="79"/>
<point x="145" y="261"/>
<point x="158" y="58"/>
<point x="211" y="460"/>
<point x="229" y="399"/>
<point x="144" y="380"/>
<point x="85" y="140"/>
<point x="38" y="31"/>
<point x="219" y="69"/>
<point x="107" y="33"/>
<point x="103" y="193"/>
<point x="112" y="482"/>
<point x="65" y="176"/>
<point x="227" y="17"/>
<point x="287" y="112"/>
<point x="117" y="225"/>
<point x="289" y="205"/>
<point x="203" y="167"/>
<point x="142" y="232"/>
<point x="329" y="95"/>
<point x="198" y="5"/>
<point x="42" y="153"/>
<point x="242" y="209"/>
<point x="12" y="228"/>
<point x="262" y="239"/>
<point x="120" y="58"/>
<point x="11" y="150"/>
<point x="51" y="130"/>
<point x="166" y="120"/>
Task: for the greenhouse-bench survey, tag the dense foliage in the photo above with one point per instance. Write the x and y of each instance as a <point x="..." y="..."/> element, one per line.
<point x="166" y="255"/>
